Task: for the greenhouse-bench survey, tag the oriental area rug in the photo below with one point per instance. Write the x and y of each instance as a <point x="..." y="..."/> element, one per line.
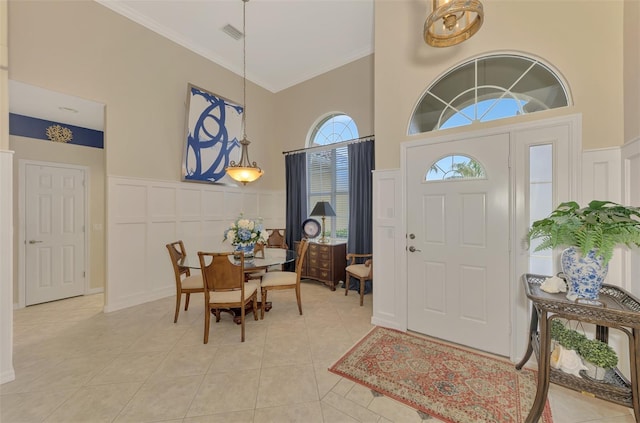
<point x="449" y="383"/>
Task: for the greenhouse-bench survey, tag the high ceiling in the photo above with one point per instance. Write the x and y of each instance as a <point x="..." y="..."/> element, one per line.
<point x="288" y="41"/>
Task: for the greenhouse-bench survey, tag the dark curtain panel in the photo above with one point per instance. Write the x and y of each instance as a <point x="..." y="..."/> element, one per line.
<point x="296" y="174"/>
<point x="361" y="163"/>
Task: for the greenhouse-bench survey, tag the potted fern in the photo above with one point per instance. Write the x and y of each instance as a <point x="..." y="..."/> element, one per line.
<point x="591" y="233"/>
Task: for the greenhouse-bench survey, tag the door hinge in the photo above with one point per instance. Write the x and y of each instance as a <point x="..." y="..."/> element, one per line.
<point x="84" y="274"/>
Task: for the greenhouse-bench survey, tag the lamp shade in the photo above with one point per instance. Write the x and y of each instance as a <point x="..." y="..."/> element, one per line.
<point x="323" y="208"/>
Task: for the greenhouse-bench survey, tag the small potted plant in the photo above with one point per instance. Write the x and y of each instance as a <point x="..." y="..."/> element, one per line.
<point x="591" y="233"/>
<point x="598" y="357"/>
<point x="564" y="355"/>
<point x="568" y="338"/>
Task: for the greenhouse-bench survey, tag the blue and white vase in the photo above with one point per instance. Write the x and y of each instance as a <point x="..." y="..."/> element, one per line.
<point x="585" y="275"/>
<point x="247" y="250"/>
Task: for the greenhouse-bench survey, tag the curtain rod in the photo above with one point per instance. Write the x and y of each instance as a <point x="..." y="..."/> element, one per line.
<point x="334" y="145"/>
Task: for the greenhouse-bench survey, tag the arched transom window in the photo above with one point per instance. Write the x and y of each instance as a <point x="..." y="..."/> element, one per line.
<point x="488" y="88"/>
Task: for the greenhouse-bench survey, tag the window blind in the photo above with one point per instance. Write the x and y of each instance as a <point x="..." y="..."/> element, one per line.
<point x="328" y="180"/>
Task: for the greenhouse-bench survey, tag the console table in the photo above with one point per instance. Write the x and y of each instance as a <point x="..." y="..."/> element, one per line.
<point x="618" y="309"/>
<point x="325" y="262"/>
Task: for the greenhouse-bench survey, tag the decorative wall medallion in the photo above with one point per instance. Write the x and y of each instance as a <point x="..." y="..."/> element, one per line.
<point x="57" y="133"/>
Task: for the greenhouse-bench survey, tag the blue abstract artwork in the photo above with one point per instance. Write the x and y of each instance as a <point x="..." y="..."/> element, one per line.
<point x="213" y="132"/>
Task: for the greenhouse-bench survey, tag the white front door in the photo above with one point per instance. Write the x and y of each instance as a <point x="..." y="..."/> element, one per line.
<point x="459" y="280"/>
<point x="54" y="232"/>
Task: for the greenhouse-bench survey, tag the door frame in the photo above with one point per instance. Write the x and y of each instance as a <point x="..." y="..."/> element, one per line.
<point x="518" y="192"/>
<point x="22" y="209"/>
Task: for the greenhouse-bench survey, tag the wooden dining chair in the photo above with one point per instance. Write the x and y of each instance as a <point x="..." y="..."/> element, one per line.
<point x="360" y="266"/>
<point x="190" y="284"/>
<point x="277" y="239"/>
<point x="225" y="287"/>
<point x="285" y="280"/>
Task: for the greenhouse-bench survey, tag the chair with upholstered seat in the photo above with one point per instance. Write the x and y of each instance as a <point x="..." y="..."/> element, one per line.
<point x="225" y="287"/>
<point x="360" y="266"/>
<point x="190" y="284"/>
<point x="285" y="280"/>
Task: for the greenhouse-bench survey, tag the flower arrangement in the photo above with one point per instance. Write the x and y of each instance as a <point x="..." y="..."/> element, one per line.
<point x="244" y="232"/>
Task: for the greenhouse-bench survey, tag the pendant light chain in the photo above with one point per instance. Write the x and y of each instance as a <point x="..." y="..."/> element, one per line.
<point x="244" y="69"/>
<point x="245" y="170"/>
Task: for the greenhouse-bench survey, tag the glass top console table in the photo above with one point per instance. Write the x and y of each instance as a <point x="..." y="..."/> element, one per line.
<point x="618" y="309"/>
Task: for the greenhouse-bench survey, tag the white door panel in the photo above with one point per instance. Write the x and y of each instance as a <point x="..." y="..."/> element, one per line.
<point x="54" y="233"/>
<point x="459" y="274"/>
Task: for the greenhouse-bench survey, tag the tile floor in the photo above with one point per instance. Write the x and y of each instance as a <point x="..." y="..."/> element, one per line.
<point x="74" y="363"/>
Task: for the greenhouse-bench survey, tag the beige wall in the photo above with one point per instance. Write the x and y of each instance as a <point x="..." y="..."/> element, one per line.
<point x="93" y="158"/>
<point x="4" y="78"/>
<point x="585" y="49"/>
<point x="83" y="49"/>
<point x="631" y="70"/>
<point x="347" y="89"/>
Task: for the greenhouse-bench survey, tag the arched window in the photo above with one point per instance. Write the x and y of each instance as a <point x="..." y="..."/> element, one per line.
<point x="488" y="88"/>
<point x="458" y="166"/>
<point x="328" y="170"/>
<point x="334" y="128"/>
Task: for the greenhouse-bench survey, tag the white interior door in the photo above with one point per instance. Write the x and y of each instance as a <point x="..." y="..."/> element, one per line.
<point x="54" y="232"/>
<point x="458" y="275"/>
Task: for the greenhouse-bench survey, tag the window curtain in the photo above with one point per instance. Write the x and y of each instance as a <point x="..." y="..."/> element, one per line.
<point x="361" y="163"/>
<point x="296" y="180"/>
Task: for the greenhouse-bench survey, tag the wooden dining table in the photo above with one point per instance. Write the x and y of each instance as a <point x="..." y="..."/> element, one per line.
<point x="264" y="260"/>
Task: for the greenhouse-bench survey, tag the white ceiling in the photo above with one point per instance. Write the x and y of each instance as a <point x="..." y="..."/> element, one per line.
<point x="288" y="41"/>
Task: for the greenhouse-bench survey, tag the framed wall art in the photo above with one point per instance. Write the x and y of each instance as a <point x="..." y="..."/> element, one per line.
<point x="213" y="136"/>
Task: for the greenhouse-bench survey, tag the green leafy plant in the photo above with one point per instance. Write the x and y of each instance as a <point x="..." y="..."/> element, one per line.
<point x="568" y="338"/>
<point x="598" y="353"/>
<point x="602" y="225"/>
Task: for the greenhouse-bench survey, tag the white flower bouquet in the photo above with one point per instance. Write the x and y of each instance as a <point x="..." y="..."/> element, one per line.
<point x="245" y="232"/>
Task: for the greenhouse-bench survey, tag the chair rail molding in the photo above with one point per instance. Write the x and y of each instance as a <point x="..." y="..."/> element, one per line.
<point x="144" y="215"/>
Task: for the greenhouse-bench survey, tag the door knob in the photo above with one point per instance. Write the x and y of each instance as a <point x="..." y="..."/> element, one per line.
<point x="413" y="249"/>
<point x="33" y="241"/>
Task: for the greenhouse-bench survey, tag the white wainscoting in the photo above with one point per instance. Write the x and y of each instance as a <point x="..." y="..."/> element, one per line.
<point x="630" y="158"/>
<point x="145" y="215"/>
<point x="7" y="372"/>
<point x="389" y="290"/>
<point x="601" y="180"/>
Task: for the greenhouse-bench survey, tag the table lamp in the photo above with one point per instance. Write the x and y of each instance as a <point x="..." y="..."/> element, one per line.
<point x="323" y="208"/>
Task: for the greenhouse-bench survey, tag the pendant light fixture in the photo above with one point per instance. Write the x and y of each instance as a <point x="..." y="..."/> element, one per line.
<point x="245" y="170"/>
<point x="452" y="22"/>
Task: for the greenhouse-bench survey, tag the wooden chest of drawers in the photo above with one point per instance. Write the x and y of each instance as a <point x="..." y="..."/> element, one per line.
<point x="326" y="262"/>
